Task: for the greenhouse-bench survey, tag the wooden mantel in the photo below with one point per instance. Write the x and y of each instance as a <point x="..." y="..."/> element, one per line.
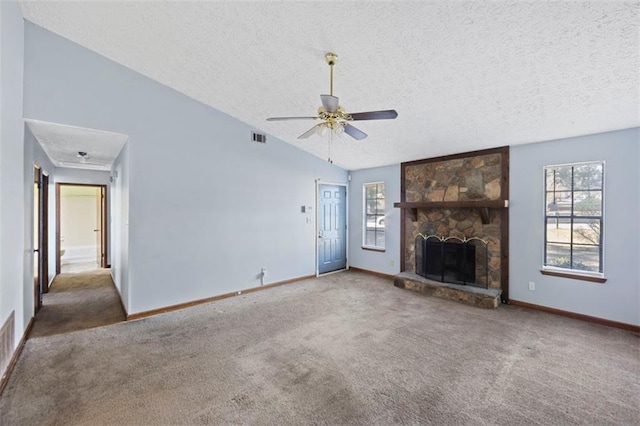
<point x="482" y="205"/>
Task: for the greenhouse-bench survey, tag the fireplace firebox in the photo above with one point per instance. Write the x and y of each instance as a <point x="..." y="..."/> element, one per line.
<point x="454" y="260"/>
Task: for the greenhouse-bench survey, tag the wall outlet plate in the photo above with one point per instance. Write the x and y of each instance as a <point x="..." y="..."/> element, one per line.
<point x="532" y="286"/>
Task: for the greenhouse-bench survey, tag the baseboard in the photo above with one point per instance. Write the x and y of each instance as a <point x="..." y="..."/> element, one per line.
<point x="14" y="359"/>
<point x="366" y="271"/>
<point x="588" y="318"/>
<point x="179" y="306"/>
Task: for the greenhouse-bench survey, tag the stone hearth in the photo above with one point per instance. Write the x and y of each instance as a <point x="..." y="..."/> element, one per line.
<point x="488" y="298"/>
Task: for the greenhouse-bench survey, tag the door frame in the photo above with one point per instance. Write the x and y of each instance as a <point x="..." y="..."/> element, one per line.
<point x="37" y="227"/>
<point x="105" y="234"/>
<point x="317" y="229"/>
<point x="44" y="199"/>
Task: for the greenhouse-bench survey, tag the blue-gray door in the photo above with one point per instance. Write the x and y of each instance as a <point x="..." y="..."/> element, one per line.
<point x="332" y="228"/>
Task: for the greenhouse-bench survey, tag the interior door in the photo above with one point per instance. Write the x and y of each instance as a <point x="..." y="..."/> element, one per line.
<point x="332" y="228"/>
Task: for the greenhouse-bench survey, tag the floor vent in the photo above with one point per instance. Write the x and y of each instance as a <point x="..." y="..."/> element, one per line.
<point x="6" y="342"/>
<point x="258" y="137"/>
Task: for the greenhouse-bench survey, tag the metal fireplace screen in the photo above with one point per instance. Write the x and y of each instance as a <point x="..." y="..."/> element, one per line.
<point x="453" y="260"/>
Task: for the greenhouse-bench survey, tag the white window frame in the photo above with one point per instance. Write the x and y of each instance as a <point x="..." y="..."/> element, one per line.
<point x="364" y="217"/>
<point x="545" y="217"/>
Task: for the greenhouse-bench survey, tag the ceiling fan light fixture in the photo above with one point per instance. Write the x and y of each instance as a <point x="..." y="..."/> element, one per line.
<point x="333" y="116"/>
<point x="338" y="129"/>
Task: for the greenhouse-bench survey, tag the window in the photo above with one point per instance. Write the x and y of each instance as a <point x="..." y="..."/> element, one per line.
<point x="373" y="213"/>
<point x="573" y="217"/>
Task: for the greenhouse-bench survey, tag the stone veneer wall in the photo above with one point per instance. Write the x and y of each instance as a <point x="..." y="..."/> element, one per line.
<point x="473" y="178"/>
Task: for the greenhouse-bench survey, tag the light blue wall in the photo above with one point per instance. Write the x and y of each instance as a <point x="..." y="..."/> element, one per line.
<point x="619" y="298"/>
<point x="119" y="224"/>
<point x="387" y="262"/>
<point x="13" y="253"/>
<point x="207" y="207"/>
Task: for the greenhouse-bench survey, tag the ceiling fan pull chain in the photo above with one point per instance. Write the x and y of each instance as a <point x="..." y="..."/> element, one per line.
<point x="330" y="140"/>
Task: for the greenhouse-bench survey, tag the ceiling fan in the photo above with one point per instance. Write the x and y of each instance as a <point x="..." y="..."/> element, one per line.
<point x="334" y="117"/>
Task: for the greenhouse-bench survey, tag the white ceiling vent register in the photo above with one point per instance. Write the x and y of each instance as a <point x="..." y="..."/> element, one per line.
<point x="258" y="137"/>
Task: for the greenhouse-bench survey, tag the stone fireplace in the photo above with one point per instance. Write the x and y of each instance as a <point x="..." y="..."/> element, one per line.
<point x="460" y="199"/>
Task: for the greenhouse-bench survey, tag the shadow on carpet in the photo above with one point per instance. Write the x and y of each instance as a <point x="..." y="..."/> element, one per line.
<point x="77" y="302"/>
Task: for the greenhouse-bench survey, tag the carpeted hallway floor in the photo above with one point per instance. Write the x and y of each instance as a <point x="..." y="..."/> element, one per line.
<point x="77" y="301"/>
<point x="346" y="348"/>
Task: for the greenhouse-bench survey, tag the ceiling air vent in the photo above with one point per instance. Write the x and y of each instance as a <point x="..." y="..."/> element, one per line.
<point x="258" y="137"/>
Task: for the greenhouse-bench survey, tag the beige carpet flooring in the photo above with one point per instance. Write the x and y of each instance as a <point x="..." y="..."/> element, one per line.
<point x="77" y="301"/>
<point x="347" y="348"/>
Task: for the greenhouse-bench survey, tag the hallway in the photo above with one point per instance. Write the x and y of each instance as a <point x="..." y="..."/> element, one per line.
<point x="77" y="301"/>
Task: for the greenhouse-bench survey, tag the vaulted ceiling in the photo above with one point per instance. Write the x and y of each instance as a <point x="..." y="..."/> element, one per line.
<point x="462" y="75"/>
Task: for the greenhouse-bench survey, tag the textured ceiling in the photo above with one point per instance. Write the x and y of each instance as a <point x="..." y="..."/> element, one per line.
<point x="462" y="75"/>
<point x="62" y="144"/>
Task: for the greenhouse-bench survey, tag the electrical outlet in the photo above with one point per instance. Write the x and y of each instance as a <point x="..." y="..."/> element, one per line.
<point x="391" y="263"/>
<point x="532" y="286"/>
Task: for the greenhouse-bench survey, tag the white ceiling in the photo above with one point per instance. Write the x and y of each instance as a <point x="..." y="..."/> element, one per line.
<point x="462" y="75"/>
<point x="62" y="143"/>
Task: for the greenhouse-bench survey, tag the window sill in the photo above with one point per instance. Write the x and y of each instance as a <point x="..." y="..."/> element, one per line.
<point x="573" y="276"/>
<point x="381" y="250"/>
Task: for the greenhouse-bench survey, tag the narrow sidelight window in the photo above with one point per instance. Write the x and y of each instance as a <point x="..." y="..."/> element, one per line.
<point x="574" y="217"/>
<point x="373" y="215"/>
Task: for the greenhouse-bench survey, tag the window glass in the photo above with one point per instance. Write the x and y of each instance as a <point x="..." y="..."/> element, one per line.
<point x="373" y="234"/>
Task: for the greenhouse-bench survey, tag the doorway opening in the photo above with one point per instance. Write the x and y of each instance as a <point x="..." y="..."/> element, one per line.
<point x="81" y="227"/>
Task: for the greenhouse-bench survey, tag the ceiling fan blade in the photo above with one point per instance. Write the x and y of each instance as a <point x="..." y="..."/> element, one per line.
<point x="311" y="131"/>
<point x="375" y="115"/>
<point x="290" y="118"/>
<point x="329" y="103"/>
<point x="354" y="132"/>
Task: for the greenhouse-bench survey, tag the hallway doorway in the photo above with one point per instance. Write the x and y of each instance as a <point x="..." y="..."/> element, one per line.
<point x="81" y="227"/>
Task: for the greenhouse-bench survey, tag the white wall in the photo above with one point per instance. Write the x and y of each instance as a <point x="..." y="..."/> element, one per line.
<point x="619" y="298"/>
<point x="208" y="208"/>
<point x="12" y="223"/>
<point x="78" y="218"/>
<point x="387" y="262"/>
